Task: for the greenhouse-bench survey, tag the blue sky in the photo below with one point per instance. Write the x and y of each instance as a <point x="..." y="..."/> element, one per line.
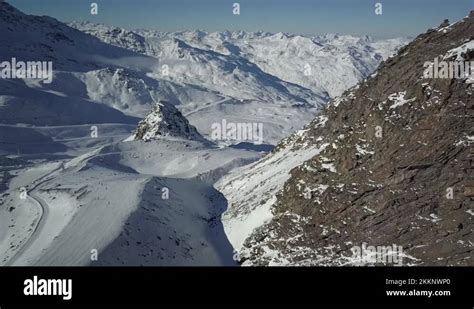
<point x="310" y="17"/>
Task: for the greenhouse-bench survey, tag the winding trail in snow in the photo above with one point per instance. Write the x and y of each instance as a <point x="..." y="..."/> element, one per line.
<point x="43" y="205"/>
<point x="208" y="106"/>
<point x="40" y="222"/>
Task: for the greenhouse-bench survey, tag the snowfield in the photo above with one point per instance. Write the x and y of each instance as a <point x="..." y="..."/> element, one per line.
<point x="101" y="192"/>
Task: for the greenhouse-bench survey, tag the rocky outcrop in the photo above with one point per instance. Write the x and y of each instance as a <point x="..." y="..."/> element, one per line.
<point x="398" y="167"/>
<point x="166" y="121"/>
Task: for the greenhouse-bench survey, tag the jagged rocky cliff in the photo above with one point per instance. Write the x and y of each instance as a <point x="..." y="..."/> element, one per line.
<point x="165" y="120"/>
<point x="395" y="166"/>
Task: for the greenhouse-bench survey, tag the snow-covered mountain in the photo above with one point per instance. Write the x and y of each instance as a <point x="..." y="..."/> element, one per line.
<point x="284" y="77"/>
<point x="113" y="155"/>
<point x="73" y="53"/>
<point x="325" y="64"/>
<point x="123" y="84"/>
<point x="28" y="37"/>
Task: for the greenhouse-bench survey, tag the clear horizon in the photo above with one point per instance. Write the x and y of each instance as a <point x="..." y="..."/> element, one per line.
<point x="399" y="18"/>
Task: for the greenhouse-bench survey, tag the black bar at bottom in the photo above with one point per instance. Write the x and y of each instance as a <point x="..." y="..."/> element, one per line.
<point x="191" y="285"/>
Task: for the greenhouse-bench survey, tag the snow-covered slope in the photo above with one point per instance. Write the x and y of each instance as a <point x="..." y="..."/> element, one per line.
<point x="136" y="203"/>
<point x="72" y="53"/>
<point x="33" y="38"/>
<point x="251" y="190"/>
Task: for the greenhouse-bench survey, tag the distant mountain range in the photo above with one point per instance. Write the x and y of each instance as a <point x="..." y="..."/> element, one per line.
<point x="278" y="79"/>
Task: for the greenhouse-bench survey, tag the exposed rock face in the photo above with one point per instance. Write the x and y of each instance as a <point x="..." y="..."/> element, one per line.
<point x="165" y="120"/>
<point x="398" y="168"/>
